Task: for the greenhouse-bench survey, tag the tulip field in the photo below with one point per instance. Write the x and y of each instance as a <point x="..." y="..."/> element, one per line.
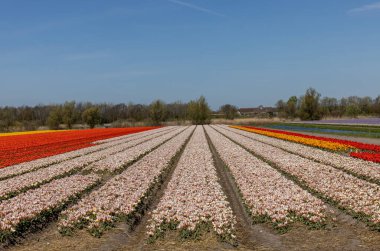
<point x="364" y="151"/>
<point x="21" y="147"/>
<point x="187" y="187"/>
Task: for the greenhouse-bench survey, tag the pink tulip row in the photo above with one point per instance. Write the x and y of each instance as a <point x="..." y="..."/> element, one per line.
<point x="354" y="194"/>
<point x="265" y="191"/>
<point x="194" y="197"/>
<point x="31" y="179"/>
<point x="369" y="170"/>
<point x="121" y="196"/>
<point x="34" y="203"/>
<point x="25" y="167"/>
<point x="119" y="160"/>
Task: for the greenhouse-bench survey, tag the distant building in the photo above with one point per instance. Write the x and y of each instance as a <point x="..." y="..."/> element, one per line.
<point x="260" y="111"/>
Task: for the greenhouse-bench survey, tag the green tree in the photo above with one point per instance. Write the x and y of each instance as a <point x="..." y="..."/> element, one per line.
<point x="376" y="106"/>
<point x="68" y="114"/>
<point x="343" y="103"/>
<point x="199" y="112"/>
<point x="158" y="111"/>
<point x="353" y="110"/>
<point x="229" y="111"/>
<point x="55" y="118"/>
<point x="7" y="119"/>
<point x="281" y="108"/>
<point x="137" y="112"/>
<point x="291" y="107"/>
<point x="309" y="108"/>
<point x="353" y="106"/>
<point x="329" y="107"/>
<point x="91" y="116"/>
<point x="365" y="105"/>
<point x="177" y="111"/>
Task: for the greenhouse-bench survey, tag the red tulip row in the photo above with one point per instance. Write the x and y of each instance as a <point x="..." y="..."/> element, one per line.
<point x="374" y="157"/>
<point x="21" y="148"/>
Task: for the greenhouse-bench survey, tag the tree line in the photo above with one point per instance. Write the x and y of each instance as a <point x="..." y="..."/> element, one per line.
<point x="70" y="113"/>
<point x="311" y="106"/>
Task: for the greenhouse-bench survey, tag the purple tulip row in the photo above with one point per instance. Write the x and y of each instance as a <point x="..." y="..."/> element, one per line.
<point x="121" y="196"/>
<point x="119" y="160"/>
<point x="353" y="194"/>
<point x="45" y="199"/>
<point x="366" y="169"/>
<point x="264" y="190"/>
<point x="127" y="141"/>
<point x="193" y="197"/>
<point x="32" y="179"/>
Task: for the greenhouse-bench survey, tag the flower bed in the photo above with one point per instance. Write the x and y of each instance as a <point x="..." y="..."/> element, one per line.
<point x="268" y="195"/>
<point x="194" y="200"/>
<point x="332" y="144"/>
<point x="28" y="132"/>
<point x="112" y="147"/>
<point x="12" y="186"/>
<point x="364" y="169"/>
<point x="19" y="213"/>
<point x="118" y="161"/>
<point x="321" y="142"/>
<point x="21" y="148"/>
<point x="357" y="196"/>
<point x="374" y="157"/>
<point x="124" y="194"/>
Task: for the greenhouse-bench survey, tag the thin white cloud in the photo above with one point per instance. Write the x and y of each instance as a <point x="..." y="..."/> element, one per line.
<point x="126" y="74"/>
<point x="86" y="56"/>
<point x="368" y="7"/>
<point x="197" y="8"/>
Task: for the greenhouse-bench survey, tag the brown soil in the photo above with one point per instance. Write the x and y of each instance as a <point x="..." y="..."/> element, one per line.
<point x="247" y="234"/>
<point x="345" y="234"/>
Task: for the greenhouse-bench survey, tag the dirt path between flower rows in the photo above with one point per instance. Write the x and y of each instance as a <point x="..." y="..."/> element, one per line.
<point x="248" y="235"/>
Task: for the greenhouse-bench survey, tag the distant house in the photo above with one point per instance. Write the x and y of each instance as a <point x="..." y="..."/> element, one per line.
<point x="260" y="111"/>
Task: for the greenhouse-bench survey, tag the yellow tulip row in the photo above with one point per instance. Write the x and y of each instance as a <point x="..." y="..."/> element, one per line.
<point x="334" y="146"/>
<point x="28" y="132"/>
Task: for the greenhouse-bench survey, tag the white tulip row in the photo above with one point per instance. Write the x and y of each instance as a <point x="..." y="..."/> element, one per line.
<point x="117" y="161"/>
<point x="368" y="170"/>
<point x="354" y="194"/>
<point x="194" y="197"/>
<point x="128" y="136"/>
<point x="43" y="200"/>
<point x="29" y="166"/>
<point x="25" y="181"/>
<point x="264" y="190"/>
<point x="121" y="196"/>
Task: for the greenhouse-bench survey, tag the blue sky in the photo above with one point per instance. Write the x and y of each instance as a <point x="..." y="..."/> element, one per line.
<point x="244" y="52"/>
